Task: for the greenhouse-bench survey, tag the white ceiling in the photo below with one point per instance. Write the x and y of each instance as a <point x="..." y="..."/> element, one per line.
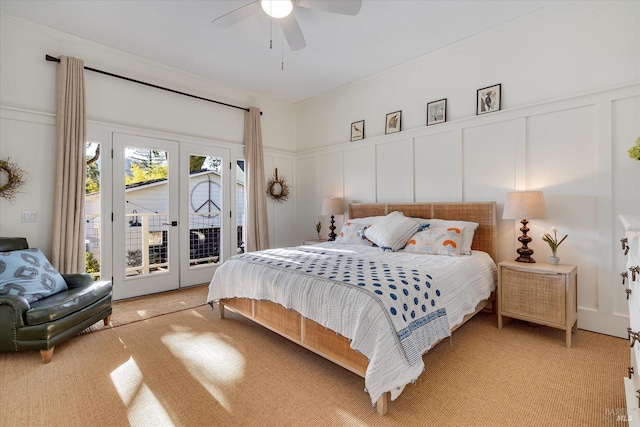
<point x="340" y="49"/>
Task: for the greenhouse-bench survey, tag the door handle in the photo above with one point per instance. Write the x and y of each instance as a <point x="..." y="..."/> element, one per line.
<point x="172" y="223"/>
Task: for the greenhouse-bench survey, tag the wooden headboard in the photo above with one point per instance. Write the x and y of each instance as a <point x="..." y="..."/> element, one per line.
<point x="484" y="213"/>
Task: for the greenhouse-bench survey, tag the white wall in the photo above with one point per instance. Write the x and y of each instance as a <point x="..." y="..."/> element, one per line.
<point x="27" y="123"/>
<point x="565" y="50"/>
<point x="570" y="77"/>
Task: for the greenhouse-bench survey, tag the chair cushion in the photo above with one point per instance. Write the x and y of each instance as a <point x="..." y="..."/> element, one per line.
<point x="67" y="302"/>
<point x="28" y="273"/>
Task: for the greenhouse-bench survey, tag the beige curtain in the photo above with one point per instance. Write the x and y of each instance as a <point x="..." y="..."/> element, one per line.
<point x="257" y="225"/>
<point x="67" y="242"/>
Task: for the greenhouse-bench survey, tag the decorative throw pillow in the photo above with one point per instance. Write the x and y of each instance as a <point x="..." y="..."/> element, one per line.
<point x="469" y="231"/>
<point x="436" y="241"/>
<point x="392" y="232"/>
<point x="352" y="233"/>
<point x="28" y="273"/>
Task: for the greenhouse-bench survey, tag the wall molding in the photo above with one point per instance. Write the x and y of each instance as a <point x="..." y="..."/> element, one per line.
<point x="568" y="103"/>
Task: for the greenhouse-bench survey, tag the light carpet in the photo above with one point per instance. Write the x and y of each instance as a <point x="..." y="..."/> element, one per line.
<point x="190" y="368"/>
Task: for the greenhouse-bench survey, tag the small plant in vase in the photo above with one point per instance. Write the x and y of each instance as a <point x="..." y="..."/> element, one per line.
<point x="554" y="243"/>
<point x="318" y="227"/>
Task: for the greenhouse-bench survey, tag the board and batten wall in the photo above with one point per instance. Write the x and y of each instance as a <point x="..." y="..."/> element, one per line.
<point x="570" y="79"/>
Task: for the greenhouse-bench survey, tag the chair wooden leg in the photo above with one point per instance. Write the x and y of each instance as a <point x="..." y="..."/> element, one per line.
<point x="107" y="320"/>
<point x="46" y="355"/>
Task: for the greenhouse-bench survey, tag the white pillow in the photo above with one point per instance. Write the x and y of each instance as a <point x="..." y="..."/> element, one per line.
<point x="436" y="241"/>
<point x="467" y="237"/>
<point x="392" y="232"/>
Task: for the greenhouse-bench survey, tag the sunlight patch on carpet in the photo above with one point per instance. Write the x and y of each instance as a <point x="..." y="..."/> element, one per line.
<point x="210" y="360"/>
<point x="142" y="405"/>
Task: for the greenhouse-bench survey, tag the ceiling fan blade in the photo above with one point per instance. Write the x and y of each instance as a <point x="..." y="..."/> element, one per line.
<point x="292" y="32"/>
<point x="236" y="15"/>
<point x="348" y="7"/>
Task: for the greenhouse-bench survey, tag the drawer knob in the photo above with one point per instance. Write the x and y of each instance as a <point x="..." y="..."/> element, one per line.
<point x="634" y="270"/>
<point x="628" y="291"/>
<point x="625" y="245"/>
<point x="625" y="275"/>
<point x="633" y="336"/>
<point x="630" y="370"/>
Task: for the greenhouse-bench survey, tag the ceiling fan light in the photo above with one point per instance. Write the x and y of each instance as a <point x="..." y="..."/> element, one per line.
<point x="277" y="8"/>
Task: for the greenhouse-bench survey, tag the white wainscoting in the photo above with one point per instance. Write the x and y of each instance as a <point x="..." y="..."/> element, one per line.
<point x="575" y="150"/>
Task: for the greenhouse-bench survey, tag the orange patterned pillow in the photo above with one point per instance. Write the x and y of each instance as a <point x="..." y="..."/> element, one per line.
<point x="436" y="241"/>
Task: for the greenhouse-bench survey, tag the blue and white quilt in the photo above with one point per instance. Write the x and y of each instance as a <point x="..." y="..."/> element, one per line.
<point x="392" y="306"/>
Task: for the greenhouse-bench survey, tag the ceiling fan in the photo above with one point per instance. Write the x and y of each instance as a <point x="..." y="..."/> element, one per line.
<point x="281" y="10"/>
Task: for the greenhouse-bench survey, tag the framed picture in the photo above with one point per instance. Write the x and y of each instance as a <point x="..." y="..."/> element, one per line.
<point x="488" y="99"/>
<point x="392" y="124"/>
<point x="357" y="130"/>
<point x="437" y="112"/>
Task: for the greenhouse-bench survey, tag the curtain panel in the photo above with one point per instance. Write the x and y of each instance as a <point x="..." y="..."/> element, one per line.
<point x="257" y="224"/>
<point x="67" y="242"/>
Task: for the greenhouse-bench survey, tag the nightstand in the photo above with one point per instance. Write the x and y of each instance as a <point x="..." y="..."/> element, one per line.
<point x="540" y="293"/>
<point x="313" y="242"/>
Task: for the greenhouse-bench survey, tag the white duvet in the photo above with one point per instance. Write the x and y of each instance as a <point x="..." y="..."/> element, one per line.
<point x="463" y="281"/>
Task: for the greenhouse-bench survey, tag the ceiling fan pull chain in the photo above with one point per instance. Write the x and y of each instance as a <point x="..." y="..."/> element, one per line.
<point x="270" y="33"/>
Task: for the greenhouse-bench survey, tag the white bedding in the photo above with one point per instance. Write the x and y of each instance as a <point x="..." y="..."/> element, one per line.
<point x="463" y="281"/>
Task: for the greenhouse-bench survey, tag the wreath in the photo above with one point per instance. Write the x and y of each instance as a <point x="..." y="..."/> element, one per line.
<point x="277" y="188"/>
<point x="11" y="179"/>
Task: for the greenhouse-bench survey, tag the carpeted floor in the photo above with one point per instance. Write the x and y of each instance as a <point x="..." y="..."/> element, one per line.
<point x="141" y="308"/>
<point x="190" y="368"/>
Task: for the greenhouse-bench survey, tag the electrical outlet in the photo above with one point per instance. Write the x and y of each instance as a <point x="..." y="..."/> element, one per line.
<point x="29" y="216"/>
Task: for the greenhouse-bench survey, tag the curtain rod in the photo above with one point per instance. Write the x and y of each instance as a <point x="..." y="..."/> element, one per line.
<point x="54" y="59"/>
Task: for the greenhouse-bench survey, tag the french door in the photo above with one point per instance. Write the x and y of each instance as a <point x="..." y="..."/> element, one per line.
<point x="172" y="213"/>
<point x="145" y="215"/>
<point x="205" y="214"/>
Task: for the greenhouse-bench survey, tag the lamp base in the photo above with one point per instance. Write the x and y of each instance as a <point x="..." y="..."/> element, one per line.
<point x="524" y="252"/>
<point x="332" y="227"/>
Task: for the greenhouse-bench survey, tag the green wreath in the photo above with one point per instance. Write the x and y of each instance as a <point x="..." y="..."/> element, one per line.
<point x="14" y="179"/>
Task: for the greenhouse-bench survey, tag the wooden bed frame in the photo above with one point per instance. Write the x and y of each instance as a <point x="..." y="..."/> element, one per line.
<point x="336" y="348"/>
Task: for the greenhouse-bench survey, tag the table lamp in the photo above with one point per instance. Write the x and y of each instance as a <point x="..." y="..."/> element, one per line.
<point x="524" y="205"/>
<point x="332" y="206"/>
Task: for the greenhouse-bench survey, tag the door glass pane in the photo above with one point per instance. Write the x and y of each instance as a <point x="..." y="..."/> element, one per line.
<point x="240" y="206"/>
<point x="205" y="209"/>
<point x="92" y="200"/>
<point x="146" y="203"/>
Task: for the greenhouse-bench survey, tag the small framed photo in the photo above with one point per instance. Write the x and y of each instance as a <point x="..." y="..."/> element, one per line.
<point x="437" y="112"/>
<point x="357" y="130"/>
<point x="488" y="99"/>
<point x="393" y="122"/>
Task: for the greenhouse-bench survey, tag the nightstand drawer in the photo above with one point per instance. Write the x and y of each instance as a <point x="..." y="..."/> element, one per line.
<point x="535" y="295"/>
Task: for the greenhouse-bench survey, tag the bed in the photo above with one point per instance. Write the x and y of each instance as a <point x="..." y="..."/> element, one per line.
<point x="322" y="296"/>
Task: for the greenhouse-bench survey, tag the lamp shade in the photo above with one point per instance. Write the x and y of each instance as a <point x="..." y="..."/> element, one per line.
<point x="524" y="205"/>
<point x="332" y="206"/>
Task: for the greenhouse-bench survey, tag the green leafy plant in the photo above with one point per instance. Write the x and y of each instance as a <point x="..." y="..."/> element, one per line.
<point x="553" y="241"/>
<point x="92" y="265"/>
<point x="634" y="152"/>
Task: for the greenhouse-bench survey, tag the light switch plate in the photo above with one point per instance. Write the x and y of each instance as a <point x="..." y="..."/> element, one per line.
<point x="29" y="216"/>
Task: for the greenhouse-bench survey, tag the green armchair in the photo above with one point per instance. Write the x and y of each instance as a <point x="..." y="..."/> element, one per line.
<point x="54" y="319"/>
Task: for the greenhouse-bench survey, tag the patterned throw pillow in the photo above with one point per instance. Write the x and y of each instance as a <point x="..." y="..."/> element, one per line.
<point x="392" y="232"/>
<point x="467" y="234"/>
<point x="28" y="273"/>
<point x="352" y="233"/>
<point x="436" y="241"/>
